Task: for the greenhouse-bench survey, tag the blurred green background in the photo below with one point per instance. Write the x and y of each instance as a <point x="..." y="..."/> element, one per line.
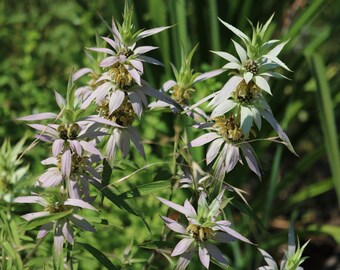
<point x="42" y="41"/>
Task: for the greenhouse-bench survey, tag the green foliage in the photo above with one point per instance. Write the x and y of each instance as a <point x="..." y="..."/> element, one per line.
<point x="42" y="41"/>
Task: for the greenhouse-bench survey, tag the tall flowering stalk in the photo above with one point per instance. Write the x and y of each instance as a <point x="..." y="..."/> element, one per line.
<point x="74" y="162"/>
<point x="120" y="93"/>
<point x="240" y="105"/>
<point x="203" y="227"/>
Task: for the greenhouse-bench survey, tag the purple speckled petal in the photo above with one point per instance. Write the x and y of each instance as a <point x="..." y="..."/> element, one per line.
<point x="223" y="237"/>
<point x="31" y="199"/>
<point x="122" y="139"/>
<point x="68" y="233"/>
<point x="204" y="256"/>
<point x="58" y="238"/>
<point x="251" y="159"/>
<point x="136" y="140"/>
<point x="90" y="148"/>
<point x="79" y="203"/>
<point x="57" y="147"/>
<point x="80" y="73"/>
<point x="73" y="189"/>
<point x="111" y="42"/>
<point x="108" y="61"/>
<point x="136" y="103"/>
<point x="137" y="65"/>
<point x="214" y="150"/>
<point x="191" y="210"/>
<point x="103" y="50"/>
<point x="208" y="75"/>
<point x="60" y="100"/>
<point x="35" y="215"/>
<point x="174" y="225"/>
<point x="66" y="163"/>
<point x="204" y="139"/>
<point x="151" y="32"/>
<point x="44" y="229"/>
<point x="116" y="99"/>
<point x="216" y="253"/>
<point x="76" y="146"/>
<point x="51" y="178"/>
<point x="182" y="246"/>
<point x="150" y="60"/>
<point x="177" y="207"/>
<point x="184" y="260"/>
<point x="144" y="49"/>
<point x="39" y="116"/>
<point x="134" y="73"/>
<point x="227" y="89"/>
<point x="81" y="223"/>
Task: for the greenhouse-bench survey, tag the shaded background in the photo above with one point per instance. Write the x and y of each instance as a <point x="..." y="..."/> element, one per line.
<point x="43" y="41"/>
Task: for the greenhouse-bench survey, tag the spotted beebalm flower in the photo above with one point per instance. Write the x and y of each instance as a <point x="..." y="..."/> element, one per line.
<point x="55" y="203"/>
<point x="82" y="172"/>
<point x="255" y="62"/>
<point x="125" y="55"/>
<point x="124" y="68"/>
<point x="227" y="139"/>
<point x="250" y="110"/>
<point x="203" y="227"/>
<point x="67" y="137"/>
<point x="243" y="92"/>
<point x="182" y="89"/>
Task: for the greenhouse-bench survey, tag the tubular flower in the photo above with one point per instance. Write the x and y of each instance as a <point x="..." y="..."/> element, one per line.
<point x="202" y="228"/>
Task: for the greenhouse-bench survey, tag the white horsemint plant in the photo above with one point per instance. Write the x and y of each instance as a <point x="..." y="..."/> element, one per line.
<point x="240" y="105"/>
<point x="120" y="93"/>
<point x="59" y="211"/>
<point x="204" y="228"/>
<point x="65" y="186"/>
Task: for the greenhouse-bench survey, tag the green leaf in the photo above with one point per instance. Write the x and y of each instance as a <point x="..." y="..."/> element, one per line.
<point x="104" y="261"/>
<point x="146" y="189"/>
<point x="156" y="245"/>
<point x="46" y="219"/>
<point x="107" y="172"/>
<point x="327" y="119"/>
<point x="121" y="203"/>
<point x="9" y="249"/>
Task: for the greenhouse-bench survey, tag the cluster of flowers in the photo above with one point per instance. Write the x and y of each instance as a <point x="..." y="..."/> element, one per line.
<point x="119" y="94"/>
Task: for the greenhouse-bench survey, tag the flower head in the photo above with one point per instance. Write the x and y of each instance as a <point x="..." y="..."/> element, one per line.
<point x="62" y="211"/>
<point x="226" y="140"/>
<point x="202" y="228"/>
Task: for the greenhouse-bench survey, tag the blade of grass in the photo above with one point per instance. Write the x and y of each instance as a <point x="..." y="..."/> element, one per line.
<point x="327" y="118"/>
<point x="305" y="18"/>
<point x="214" y="26"/>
